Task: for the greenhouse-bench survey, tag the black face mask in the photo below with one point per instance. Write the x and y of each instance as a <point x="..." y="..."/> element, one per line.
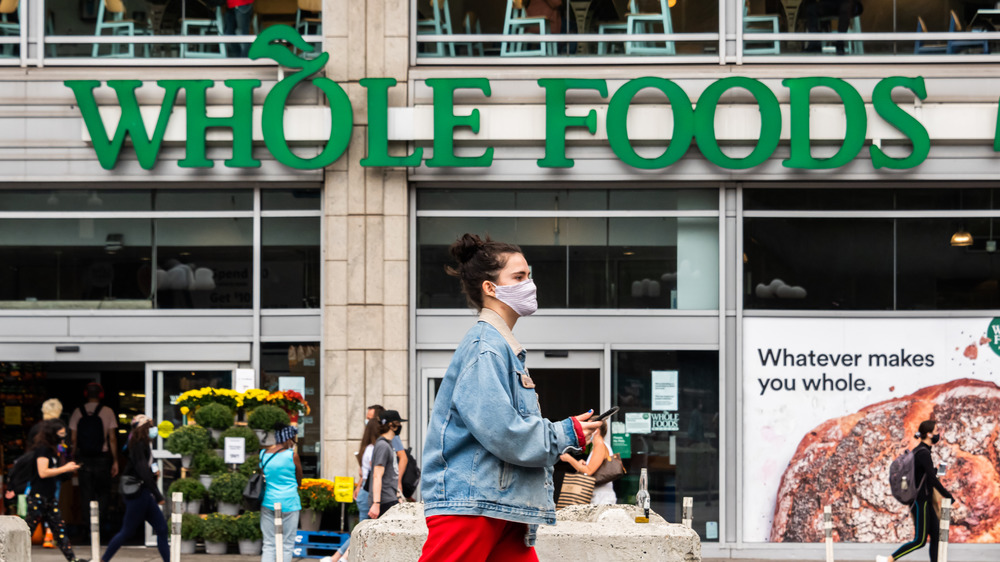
<point x="935" y="439"/>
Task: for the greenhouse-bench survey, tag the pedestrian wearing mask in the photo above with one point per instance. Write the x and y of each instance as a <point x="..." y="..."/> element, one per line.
<point x="42" y="504"/>
<point x="376" y="411"/>
<point x="385" y="472"/>
<point x="488" y="457"/>
<point x="282" y="476"/>
<point x="142" y="505"/>
<point x="925" y="519"/>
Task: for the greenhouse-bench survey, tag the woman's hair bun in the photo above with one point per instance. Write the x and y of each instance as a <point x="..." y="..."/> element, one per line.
<point x="465" y="248"/>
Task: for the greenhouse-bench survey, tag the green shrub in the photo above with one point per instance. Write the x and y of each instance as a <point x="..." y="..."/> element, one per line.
<point x="208" y="462"/>
<point x="265" y="417"/>
<point x="214" y="416"/>
<point x="228" y="487"/>
<point x="192" y="526"/>
<point x="190" y="487"/>
<point x="248" y="527"/>
<point x="187" y="440"/>
<point x="252" y="444"/>
<point x="250" y="466"/>
<point x="219" y="528"/>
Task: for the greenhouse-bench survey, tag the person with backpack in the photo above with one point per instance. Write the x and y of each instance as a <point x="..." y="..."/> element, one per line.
<point x="383" y="482"/>
<point x="375" y="411"/>
<point x="924" y="476"/>
<point x="94" y="444"/>
<point x="42" y="504"/>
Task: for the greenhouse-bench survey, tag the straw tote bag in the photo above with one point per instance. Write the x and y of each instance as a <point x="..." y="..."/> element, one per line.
<point x="577" y="489"/>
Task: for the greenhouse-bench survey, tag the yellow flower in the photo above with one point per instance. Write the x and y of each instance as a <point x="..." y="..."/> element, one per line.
<point x="185" y="410"/>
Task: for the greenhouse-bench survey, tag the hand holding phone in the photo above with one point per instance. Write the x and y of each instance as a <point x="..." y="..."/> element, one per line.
<point x="606" y="415"/>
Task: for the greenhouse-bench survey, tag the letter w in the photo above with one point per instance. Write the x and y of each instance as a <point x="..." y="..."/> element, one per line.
<point x="108" y="150"/>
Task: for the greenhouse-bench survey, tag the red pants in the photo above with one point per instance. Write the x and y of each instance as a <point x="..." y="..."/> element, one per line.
<point x="466" y="538"/>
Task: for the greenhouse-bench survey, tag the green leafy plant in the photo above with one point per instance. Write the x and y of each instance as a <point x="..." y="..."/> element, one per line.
<point x="192" y="527"/>
<point x="214" y="416"/>
<point x="252" y="444"/>
<point x="248" y="527"/>
<point x="250" y="466"/>
<point x="219" y="528"/>
<point x="228" y="487"/>
<point x="187" y="440"/>
<point x="208" y="462"/>
<point x="264" y="417"/>
<point x="190" y="487"/>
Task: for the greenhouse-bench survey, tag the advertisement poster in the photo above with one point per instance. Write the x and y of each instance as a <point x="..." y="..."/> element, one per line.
<point x="637" y="422"/>
<point x="664" y="390"/>
<point x="829" y="403"/>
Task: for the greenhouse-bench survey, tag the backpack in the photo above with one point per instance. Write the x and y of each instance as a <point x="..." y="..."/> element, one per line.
<point x="90" y="432"/>
<point x="902" y="473"/>
<point x="22" y="473"/>
<point x="411" y="478"/>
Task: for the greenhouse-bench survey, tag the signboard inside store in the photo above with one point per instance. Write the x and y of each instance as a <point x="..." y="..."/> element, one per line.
<point x="693" y="124"/>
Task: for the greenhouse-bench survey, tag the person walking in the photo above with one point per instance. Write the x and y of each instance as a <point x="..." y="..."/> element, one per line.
<point x="925" y="519"/>
<point x="488" y="456"/>
<point x="143" y="505"/>
<point x="236" y="21"/>
<point x="282" y="475"/>
<point x="384" y="487"/>
<point x="52" y="410"/>
<point x="94" y="430"/>
<point x="361" y="496"/>
<point x="599" y="452"/>
<point x="42" y="504"/>
<point x="376" y="411"/>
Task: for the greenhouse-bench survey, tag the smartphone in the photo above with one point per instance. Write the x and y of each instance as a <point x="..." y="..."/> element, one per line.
<point x="605" y="415"/>
<point x="942" y="469"/>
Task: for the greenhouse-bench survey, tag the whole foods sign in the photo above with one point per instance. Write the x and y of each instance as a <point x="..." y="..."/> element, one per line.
<point x="692" y="123"/>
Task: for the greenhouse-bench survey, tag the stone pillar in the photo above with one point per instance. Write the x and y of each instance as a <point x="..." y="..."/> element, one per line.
<point x="365" y="305"/>
<point x="15" y="539"/>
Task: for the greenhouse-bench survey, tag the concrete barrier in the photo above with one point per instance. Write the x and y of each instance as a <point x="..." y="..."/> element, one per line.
<point x="586" y="533"/>
<point x="15" y="539"/>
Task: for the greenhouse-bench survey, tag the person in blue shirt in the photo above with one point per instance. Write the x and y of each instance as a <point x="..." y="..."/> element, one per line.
<point x="282" y="475"/>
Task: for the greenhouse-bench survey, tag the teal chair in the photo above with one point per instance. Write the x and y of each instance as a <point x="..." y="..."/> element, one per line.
<point x="8" y="28"/>
<point x="618" y="27"/>
<point x="852" y="47"/>
<point x="440" y="24"/>
<point x="309" y="21"/>
<point x="472" y="27"/>
<point x="203" y="26"/>
<point x="516" y="23"/>
<point x="646" y="23"/>
<point x="759" y="24"/>
<point x="118" y="26"/>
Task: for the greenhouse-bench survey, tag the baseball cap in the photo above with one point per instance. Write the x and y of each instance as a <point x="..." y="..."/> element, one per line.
<point x="390" y="416"/>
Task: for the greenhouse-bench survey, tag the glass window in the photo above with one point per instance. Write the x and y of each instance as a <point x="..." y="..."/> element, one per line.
<point x="204" y="263"/>
<point x="75" y="263"/>
<point x="567" y="200"/>
<point x="203" y="200"/>
<point x="290" y="262"/>
<point x="658" y="262"/>
<point x="877" y="199"/>
<point x="75" y="200"/>
<point x="291" y="200"/>
<point x="295" y="366"/>
<point x="669" y="425"/>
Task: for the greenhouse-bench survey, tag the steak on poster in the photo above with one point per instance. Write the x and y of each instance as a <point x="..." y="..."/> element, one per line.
<point x="844" y="463"/>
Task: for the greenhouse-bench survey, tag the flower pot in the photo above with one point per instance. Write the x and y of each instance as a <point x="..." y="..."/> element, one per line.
<point x="261" y="435"/>
<point x="309" y="519"/>
<point x="267" y="440"/>
<point x="186" y="460"/>
<point x="215" y="547"/>
<point x="189" y="547"/>
<point x="216" y="433"/>
<point x="206" y="480"/>
<point x="251" y="548"/>
<point x="192" y="506"/>
<point x="229" y="508"/>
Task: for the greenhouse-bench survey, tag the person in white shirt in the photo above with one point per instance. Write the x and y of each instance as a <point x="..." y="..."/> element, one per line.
<point x="605" y="493"/>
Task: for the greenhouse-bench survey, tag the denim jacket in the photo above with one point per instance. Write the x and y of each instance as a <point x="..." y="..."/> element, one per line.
<point x="488" y="451"/>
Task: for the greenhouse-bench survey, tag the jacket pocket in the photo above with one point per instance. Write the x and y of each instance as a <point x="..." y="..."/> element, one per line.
<point x="526" y="398"/>
<point x="506" y="476"/>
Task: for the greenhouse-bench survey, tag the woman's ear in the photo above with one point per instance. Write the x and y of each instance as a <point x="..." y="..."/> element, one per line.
<point x="489" y="289"/>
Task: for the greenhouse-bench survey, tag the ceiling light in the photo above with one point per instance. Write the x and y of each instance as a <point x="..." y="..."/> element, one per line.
<point x="961" y="238"/>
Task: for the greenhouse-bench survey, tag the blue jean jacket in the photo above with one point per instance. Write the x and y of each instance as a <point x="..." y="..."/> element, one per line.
<point x="488" y="451"/>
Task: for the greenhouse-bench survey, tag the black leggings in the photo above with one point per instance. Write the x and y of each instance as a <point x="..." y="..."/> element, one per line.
<point x="41" y="508"/>
<point x="138" y="511"/>
<point x="925" y="523"/>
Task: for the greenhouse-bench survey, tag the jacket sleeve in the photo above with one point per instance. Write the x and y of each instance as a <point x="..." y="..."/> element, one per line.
<point x="931" y="472"/>
<point x="487" y="410"/>
<point x="139" y="457"/>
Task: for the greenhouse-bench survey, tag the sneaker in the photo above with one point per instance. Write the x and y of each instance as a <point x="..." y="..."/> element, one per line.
<point x="881" y="559"/>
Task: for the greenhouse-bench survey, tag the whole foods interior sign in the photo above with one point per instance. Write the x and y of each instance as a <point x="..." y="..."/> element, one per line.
<point x="692" y="123"/>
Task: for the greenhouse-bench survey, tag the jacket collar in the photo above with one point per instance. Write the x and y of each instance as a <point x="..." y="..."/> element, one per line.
<point x="494" y="319"/>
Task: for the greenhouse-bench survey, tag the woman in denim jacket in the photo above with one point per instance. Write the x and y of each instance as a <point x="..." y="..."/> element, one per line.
<point x="487" y="463"/>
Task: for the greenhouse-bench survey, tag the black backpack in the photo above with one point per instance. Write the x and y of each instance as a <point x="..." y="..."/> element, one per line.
<point x="22" y="472"/>
<point x="90" y="432"/>
<point x="411" y="478"/>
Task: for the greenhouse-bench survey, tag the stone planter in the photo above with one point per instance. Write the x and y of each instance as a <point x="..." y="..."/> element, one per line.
<point x="206" y="480"/>
<point x="192" y="506"/>
<point x="215" y="547"/>
<point x="186" y="460"/>
<point x="251" y="548"/>
<point x="261" y="435"/>
<point x="229" y="508"/>
<point x="309" y="519"/>
<point x="189" y="547"/>
<point x="216" y="433"/>
<point x="266" y="437"/>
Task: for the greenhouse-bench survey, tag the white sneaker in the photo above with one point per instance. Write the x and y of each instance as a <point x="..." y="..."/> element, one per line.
<point x="881" y="559"/>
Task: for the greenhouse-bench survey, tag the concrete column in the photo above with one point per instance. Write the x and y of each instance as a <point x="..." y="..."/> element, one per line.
<point x="366" y="246"/>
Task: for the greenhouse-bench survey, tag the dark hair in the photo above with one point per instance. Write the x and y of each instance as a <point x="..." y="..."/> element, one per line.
<point x="478" y="260"/>
<point x="926" y="428"/>
<point x="369" y="437"/>
<point x="378" y="410"/>
<point x="48" y="434"/>
<point x="604" y="429"/>
<point x="94" y="390"/>
<point x="139" y="434"/>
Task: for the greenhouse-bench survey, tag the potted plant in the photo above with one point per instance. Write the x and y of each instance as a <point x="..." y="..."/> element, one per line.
<point x="227" y="490"/>
<point x="186" y="441"/>
<point x="317" y="496"/>
<point x="215" y="417"/>
<point x="207" y="464"/>
<point x="251" y="445"/>
<point x="248" y="533"/>
<point x="192" y="529"/>
<point x="291" y="402"/>
<point x="193" y="492"/>
<point x="250" y="466"/>
<point x="263" y="419"/>
<point x="217" y="532"/>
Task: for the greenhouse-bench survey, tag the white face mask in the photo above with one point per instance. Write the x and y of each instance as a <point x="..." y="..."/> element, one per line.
<point x="153" y="432"/>
<point x="520" y="297"/>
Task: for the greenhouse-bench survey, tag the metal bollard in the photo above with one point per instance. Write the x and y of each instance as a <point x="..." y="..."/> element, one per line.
<point x="175" y="527"/>
<point x="687" y="513"/>
<point x="945" y="525"/>
<point x="828" y="530"/>
<point x="279" y="541"/>
<point x="95" y="531"/>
